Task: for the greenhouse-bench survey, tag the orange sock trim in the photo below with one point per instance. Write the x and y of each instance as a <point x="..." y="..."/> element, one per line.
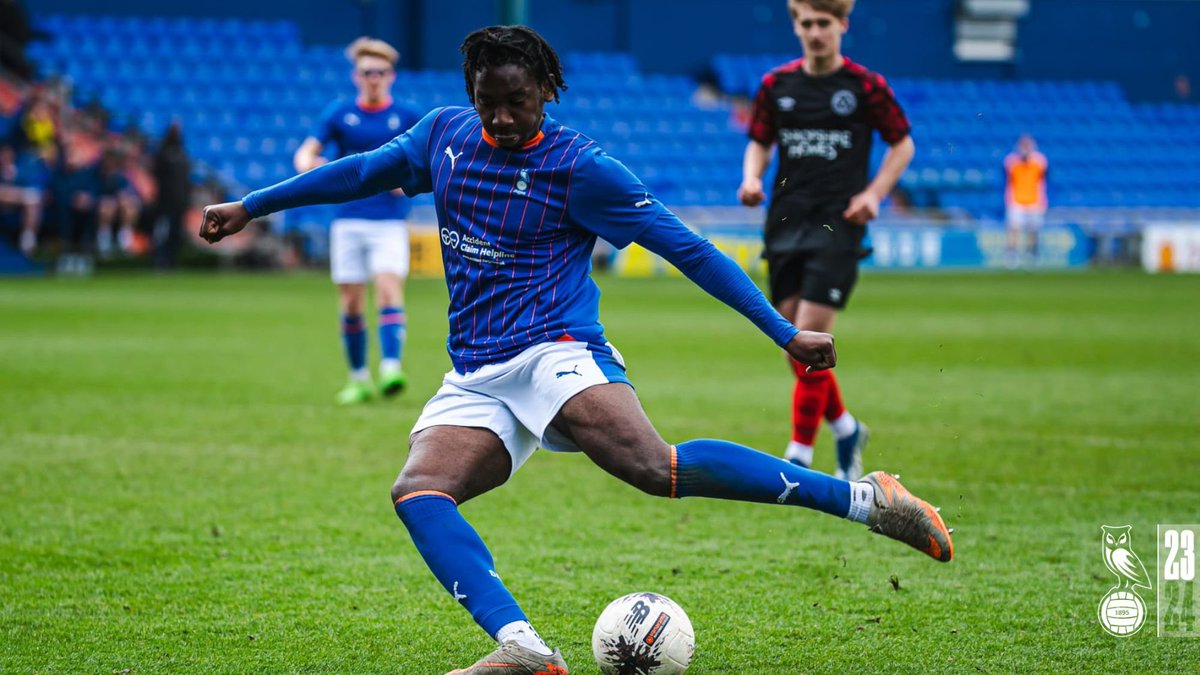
<point x="422" y="493"/>
<point x="674" y="463"/>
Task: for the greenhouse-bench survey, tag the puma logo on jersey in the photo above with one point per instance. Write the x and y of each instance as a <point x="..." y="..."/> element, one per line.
<point x="645" y="202"/>
<point x="787" y="488"/>
<point x="453" y="157"/>
<point x="573" y="371"/>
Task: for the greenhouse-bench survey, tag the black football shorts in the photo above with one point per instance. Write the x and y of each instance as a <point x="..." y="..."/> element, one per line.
<point x="825" y="276"/>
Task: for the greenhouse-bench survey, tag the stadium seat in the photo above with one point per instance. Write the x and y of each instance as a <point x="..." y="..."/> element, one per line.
<point x="273" y="86"/>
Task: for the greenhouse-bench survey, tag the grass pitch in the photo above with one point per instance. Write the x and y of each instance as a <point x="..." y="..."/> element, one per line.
<point x="178" y="492"/>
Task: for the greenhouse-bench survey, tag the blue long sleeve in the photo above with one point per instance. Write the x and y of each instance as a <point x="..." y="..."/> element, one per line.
<point x="397" y="164"/>
<point x="714" y="272"/>
<point x="332" y="183"/>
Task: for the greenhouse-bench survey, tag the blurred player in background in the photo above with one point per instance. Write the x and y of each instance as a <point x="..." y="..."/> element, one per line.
<point x="520" y="201"/>
<point x="821" y="111"/>
<point x="1024" y="199"/>
<point x="368" y="238"/>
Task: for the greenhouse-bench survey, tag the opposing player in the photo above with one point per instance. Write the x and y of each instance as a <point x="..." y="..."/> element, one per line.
<point x="520" y="200"/>
<point x="368" y="238"/>
<point x="821" y="111"/>
<point x="1024" y="199"/>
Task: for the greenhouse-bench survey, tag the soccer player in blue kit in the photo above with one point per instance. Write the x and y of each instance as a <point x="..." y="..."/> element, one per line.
<point x="368" y="238"/>
<point x="520" y="201"/>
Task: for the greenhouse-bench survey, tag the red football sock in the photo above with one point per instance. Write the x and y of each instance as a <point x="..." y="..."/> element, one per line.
<point x="834" y="408"/>
<point x="808" y="403"/>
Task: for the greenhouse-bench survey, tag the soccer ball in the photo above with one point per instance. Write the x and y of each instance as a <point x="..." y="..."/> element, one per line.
<point x="643" y="634"/>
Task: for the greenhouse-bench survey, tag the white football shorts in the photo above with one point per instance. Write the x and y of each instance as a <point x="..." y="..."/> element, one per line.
<point x="519" y="398"/>
<point x="359" y="249"/>
<point x="1025" y="218"/>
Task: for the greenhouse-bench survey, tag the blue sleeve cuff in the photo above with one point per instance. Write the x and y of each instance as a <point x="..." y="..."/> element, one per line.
<point x="253" y="205"/>
<point x="787" y="336"/>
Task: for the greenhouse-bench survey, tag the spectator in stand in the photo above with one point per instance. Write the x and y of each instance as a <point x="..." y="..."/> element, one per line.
<point x="118" y="204"/>
<point x="172" y="172"/>
<point x="74" y="192"/>
<point x="1024" y="199"/>
<point x="38" y="126"/>
<point x="65" y="165"/>
<point x="36" y="139"/>
<point x="22" y="180"/>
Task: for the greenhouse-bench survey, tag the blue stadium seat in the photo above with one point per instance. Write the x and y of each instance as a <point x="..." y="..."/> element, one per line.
<point x="1103" y="150"/>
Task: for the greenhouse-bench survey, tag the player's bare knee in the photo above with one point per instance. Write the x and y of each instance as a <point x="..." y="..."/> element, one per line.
<point x="410" y="481"/>
<point x="653" y="478"/>
<point x="645" y="466"/>
<point x="400" y="488"/>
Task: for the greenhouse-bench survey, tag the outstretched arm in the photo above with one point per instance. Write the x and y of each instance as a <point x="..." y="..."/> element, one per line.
<point x="714" y="272"/>
<point x="611" y="202"/>
<point x="388" y="167"/>
<point x="345" y="180"/>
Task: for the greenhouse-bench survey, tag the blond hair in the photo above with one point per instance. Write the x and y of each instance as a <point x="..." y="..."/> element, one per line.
<point x="839" y="8"/>
<point x="368" y="46"/>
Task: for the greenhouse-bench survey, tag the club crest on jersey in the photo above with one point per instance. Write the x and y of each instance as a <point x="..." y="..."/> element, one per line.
<point x="394" y="122"/>
<point x="524" y="181"/>
<point x="351" y="120"/>
<point x="787" y="103"/>
<point x="844" y="102"/>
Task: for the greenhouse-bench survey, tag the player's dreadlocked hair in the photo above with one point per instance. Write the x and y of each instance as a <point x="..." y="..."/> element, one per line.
<point x="520" y="45"/>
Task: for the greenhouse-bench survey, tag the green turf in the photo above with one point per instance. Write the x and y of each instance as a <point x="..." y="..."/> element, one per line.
<point x="180" y="494"/>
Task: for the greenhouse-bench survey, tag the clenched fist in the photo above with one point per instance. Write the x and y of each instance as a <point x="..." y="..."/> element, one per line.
<point x="813" y="349"/>
<point x="221" y="220"/>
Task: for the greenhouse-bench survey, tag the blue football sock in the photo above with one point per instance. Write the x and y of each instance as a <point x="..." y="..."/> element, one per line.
<point x="391" y="333"/>
<point x="354" y="337"/>
<point x="724" y="470"/>
<point x="458" y="558"/>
